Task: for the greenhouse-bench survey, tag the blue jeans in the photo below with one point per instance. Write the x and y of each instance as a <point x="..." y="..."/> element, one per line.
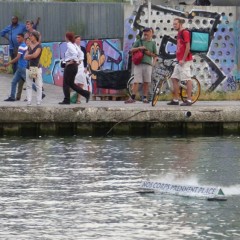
<point x="18" y="75"/>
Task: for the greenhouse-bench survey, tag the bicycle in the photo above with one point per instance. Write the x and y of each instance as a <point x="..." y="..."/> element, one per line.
<point x="155" y="76"/>
<point x="161" y="83"/>
<point x="130" y="86"/>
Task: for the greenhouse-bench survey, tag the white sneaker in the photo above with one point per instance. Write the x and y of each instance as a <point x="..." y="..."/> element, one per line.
<point x="38" y="103"/>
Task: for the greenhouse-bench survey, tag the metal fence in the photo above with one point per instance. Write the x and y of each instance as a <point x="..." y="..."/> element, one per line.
<point x="90" y="20"/>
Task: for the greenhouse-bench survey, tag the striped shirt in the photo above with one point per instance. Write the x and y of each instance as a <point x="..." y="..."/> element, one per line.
<point x="22" y="63"/>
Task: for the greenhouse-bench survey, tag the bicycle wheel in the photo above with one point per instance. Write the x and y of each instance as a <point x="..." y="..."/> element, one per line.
<point x="130" y="85"/>
<point x="196" y="90"/>
<point x="160" y="89"/>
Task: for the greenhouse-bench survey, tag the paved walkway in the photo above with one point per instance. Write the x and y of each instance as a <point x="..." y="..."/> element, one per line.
<point x="54" y="94"/>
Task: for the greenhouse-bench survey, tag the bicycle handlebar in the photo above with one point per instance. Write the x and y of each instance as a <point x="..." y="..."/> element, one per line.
<point x="165" y="62"/>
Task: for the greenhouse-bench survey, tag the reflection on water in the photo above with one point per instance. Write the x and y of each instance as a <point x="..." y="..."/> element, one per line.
<point x="86" y="188"/>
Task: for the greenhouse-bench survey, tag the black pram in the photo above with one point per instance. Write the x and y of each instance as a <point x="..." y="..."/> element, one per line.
<point x="109" y="79"/>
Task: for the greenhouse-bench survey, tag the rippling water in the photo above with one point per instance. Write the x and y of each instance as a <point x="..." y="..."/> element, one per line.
<point x="75" y="188"/>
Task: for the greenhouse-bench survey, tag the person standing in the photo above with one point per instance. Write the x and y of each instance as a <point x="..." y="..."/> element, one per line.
<point x="21" y="66"/>
<point x="182" y="70"/>
<point x="33" y="55"/>
<point x="30" y="29"/>
<point x="72" y="61"/>
<point x="22" y="81"/>
<point x="143" y="71"/>
<point x="10" y="33"/>
<point x="81" y="76"/>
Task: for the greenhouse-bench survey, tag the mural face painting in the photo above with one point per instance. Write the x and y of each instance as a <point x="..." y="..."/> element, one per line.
<point x="217" y="68"/>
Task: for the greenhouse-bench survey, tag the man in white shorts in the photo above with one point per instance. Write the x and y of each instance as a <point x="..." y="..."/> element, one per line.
<point x="182" y="71"/>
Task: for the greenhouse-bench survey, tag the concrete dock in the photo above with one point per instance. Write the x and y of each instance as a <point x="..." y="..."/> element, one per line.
<point x="102" y="118"/>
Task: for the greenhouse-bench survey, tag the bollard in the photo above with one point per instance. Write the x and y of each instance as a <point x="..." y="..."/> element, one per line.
<point x="187" y="114"/>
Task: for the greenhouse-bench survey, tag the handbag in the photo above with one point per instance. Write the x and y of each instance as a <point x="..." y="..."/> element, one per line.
<point x="33" y="72"/>
<point x="63" y="64"/>
<point x="137" y="56"/>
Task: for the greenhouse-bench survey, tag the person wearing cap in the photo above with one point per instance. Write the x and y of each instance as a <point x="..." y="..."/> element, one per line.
<point x="21" y="67"/>
<point x="143" y="71"/>
<point x="33" y="55"/>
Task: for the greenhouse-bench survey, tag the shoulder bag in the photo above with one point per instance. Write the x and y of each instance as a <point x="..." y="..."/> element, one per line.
<point x="138" y="56"/>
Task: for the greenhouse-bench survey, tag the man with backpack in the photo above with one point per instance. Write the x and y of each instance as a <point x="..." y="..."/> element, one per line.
<point x="182" y="70"/>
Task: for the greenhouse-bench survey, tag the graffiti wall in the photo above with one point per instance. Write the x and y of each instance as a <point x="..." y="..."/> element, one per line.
<point x="4" y="56"/>
<point x="217" y="69"/>
<point x="101" y="54"/>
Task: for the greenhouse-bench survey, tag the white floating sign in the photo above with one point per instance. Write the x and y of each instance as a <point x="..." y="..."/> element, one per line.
<point x="183" y="190"/>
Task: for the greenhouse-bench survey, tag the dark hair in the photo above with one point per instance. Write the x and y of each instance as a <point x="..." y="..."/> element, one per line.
<point x="21" y="35"/>
<point x="77" y="36"/>
<point x="70" y="36"/>
<point x="35" y="34"/>
<point x="30" y="21"/>
<point x="180" y="20"/>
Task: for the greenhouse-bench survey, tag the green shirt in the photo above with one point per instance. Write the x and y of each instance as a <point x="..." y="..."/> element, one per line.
<point x="150" y="46"/>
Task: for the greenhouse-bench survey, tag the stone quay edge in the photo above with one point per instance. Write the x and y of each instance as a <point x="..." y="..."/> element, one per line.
<point x="100" y="118"/>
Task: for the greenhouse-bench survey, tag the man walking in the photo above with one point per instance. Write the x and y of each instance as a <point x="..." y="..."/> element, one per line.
<point x="21" y="66"/>
<point x="143" y="71"/>
<point x="182" y="71"/>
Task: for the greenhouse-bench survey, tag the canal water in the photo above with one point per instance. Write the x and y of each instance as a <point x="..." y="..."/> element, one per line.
<point x="85" y="188"/>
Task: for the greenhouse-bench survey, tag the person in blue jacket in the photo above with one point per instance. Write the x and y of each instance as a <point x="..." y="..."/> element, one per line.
<point x="10" y="33"/>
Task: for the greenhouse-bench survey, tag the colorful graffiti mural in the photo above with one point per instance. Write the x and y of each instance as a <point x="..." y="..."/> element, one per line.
<point x="102" y="54"/>
<point x="4" y="57"/>
<point x="217" y="69"/>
